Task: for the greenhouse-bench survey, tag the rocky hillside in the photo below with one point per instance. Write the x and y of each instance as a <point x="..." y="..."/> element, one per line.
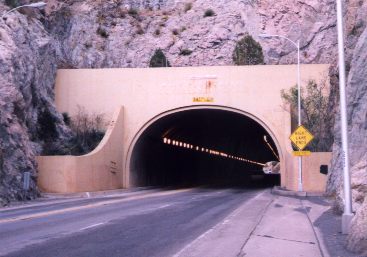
<point x="115" y="35"/>
<point x="357" y="120"/>
<point x="27" y="70"/>
<point x="125" y="33"/>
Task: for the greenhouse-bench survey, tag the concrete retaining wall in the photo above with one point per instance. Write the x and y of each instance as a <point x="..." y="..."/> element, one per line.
<point x="313" y="180"/>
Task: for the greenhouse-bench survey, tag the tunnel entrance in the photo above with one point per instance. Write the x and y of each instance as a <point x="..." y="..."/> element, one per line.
<point x="203" y="147"/>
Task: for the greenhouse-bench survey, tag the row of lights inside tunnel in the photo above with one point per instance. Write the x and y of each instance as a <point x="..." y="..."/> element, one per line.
<point x="177" y="143"/>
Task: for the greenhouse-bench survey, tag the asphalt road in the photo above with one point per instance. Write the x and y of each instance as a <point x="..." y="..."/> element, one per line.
<point x="152" y="223"/>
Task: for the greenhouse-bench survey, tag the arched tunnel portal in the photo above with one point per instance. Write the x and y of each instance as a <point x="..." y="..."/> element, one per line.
<point x="203" y="146"/>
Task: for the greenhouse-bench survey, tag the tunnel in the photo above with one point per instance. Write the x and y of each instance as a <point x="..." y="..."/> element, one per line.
<point x="203" y="147"/>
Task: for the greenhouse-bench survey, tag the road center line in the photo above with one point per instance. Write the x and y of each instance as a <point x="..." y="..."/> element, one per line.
<point x="88" y="206"/>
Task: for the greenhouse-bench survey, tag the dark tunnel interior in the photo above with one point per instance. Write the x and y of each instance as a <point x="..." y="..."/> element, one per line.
<point x="203" y="147"/>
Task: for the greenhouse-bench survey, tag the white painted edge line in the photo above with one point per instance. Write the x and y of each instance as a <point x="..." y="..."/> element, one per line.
<point x="226" y="220"/>
<point x="164" y="206"/>
<point x="92" y="226"/>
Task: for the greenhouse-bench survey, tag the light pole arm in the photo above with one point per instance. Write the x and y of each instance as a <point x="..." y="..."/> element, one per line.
<point x="12" y="10"/>
<point x="33" y="5"/>
<point x="269" y="35"/>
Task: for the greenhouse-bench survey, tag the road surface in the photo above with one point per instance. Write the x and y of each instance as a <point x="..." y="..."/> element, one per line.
<point x="145" y="223"/>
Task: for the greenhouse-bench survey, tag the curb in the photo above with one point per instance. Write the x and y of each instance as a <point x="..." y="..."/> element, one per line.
<point x="92" y="194"/>
<point x="277" y="190"/>
<point x="55" y="198"/>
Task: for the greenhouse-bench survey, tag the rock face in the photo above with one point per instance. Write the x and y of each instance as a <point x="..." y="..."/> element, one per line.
<point x="357" y="119"/>
<point x="106" y="34"/>
<point x="356" y="56"/>
<point x="27" y="71"/>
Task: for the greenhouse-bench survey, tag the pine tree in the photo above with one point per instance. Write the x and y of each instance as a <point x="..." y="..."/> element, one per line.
<point x="159" y="59"/>
<point x="248" y="52"/>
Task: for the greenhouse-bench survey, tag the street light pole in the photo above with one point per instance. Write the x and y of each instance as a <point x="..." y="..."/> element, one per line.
<point x="297" y="45"/>
<point x="33" y="5"/>
<point x="348" y="214"/>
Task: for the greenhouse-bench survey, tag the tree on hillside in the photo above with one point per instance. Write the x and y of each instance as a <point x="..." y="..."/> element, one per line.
<point x="159" y="59"/>
<point x="248" y="52"/>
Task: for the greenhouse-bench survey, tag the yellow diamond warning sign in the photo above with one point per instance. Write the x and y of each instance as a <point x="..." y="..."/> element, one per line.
<point x="301" y="137"/>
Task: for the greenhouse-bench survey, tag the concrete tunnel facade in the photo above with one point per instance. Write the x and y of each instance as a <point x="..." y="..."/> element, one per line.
<point x="154" y="101"/>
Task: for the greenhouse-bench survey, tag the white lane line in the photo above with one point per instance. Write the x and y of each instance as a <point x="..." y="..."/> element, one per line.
<point x="193" y="242"/>
<point x="92" y="226"/>
<point x="164" y="206"/>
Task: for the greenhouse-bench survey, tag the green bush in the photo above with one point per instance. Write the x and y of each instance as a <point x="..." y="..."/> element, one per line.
<point x="66" y="118"/>
<point x="12" y="3"/>
<point x="133" y="12"/>
<point x="316" y="116"/>
<point x="46" y="126"/>
<point x="209" y="13"/>
<point x="157" y="32"/>
<point x="102" y="32"/>
<point x="175" y="32"/>
<point x="248" y="52"/>
<point x="159" y="59"/>
<point x="88" y="132"/>
<point x="185" y="52"/>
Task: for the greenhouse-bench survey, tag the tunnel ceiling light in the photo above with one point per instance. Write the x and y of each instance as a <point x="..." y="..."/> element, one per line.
<point x="210" y="151"/>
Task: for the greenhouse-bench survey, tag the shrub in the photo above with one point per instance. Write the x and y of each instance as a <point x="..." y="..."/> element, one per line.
<point x="88" y="45"/>
<point x="88" y="131"/>
<point x="248" y="52"/>
<point x="12" y="3"/>
<point x="209" y="13"/>
<point x="159" y="59"/>
<point x="133" y="12"/>
<point x="175" y="32"/>
<point x="188" y="7"/>
<point x="102" y="32"/>
<point x="185" y="52"/>
<point x="316" y="116"/>
<point x="46" y="126"/>
<point x="157" y="32"/>
<point x="66" y="118"/>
